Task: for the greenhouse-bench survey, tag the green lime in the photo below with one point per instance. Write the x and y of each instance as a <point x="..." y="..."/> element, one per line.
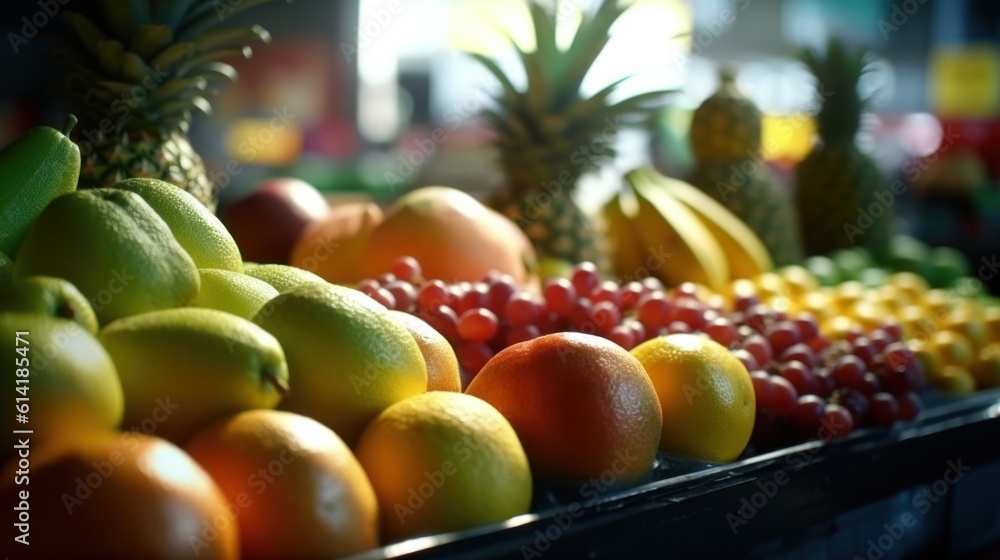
<point x="874" y="276"/>
<point x="947" y="265"/>
<point x="824" y="269"/>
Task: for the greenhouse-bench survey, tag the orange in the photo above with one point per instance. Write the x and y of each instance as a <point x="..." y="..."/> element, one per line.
<point x="453" y="235"/>
<point x="332" y="248"/>
<point x="580" y="404"/>
<point x="705" y="393"/>
<point x="122" y="495"/>
<point x="442" y="364"/>
<point x="294" y="487"/>
<point x="444" y="462"/>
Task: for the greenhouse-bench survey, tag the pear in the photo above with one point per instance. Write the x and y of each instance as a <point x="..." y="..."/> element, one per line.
<point x="197" y="230"/>
<point x="50" y="296"/>
<point x="114" y="248"/>
<point x="40" y="165"/>
<point x="182" y="369"/>
<point x="69" y="382"/>
<point x="281" y="276"/>
<point x="232" y="292"/>
<point x="348" y="359"/>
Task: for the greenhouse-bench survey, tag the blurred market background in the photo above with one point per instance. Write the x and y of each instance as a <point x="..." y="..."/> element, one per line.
<point x="367" y="98"/>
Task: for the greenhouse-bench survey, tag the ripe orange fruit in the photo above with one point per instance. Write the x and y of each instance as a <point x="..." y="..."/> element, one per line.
<point x="295" y="489"/>
<point x="444" y="462"/>
<point x="453" y="235"/>
<point x="122" y="495"/>
<point x="332" y="247"/>
<point x="705" y="393"/>
<point x="580" y="404"/>
<point x="442" y="364"/>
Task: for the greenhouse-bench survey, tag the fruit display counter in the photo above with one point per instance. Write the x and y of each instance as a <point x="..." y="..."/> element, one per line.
<point x="878" y="494"/>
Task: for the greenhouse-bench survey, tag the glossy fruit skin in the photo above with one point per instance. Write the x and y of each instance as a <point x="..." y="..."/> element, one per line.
<point x="573" y="435"/>
<point x="36" y="168"/>
<point x="442" y="364"/>
<point x="300" y="491"/>
<point x="458" y="453"/>
<point x="267" y="222"/>
<point x="705" y="393"/>
<point x="152" y="501"/>
<point x="73" y="385"/>
<point x="114" y="248"/>
<point x="50" y="296"/>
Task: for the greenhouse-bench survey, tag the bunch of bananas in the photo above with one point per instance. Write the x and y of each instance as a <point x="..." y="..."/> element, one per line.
<point x="669" y="229"/>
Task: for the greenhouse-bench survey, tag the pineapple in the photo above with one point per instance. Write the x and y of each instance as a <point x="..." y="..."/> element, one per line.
<point x="549" y="135"/>
<point x="725" y="139"/>
<point x="836" y="183"/>
<point x="135" y="72"/>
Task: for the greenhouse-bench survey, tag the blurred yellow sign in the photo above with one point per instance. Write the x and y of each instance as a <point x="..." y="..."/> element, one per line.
<point x="964" y="81"/>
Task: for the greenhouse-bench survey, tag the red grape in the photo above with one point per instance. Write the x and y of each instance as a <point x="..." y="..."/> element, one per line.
<point x="606" y="316"/>
<point x="498" y="293"/>
<point x="902" y="380"/>
<point x="893" y="330"/>
<point x="849" y="371"/>
<point x="560" y="295"/>
<point x="368" y="286"/>
<point x="909" y="406"/>
<point x="579" y="317"/>
<point x="688" y="311"/>
<point x="864" y="349"/>
<point x="884" y="410"/>
<point x="653" y="310"/>
<point x="623" y="336"/>
<point x="652" y="283"/>
<point x="433" y="294"/>
<point x="475" y="298"/>
<point x="760" y="317"/>
<point x="548" y="321"/>
<point x="638" y="331"/>
<point x="783" y="396"/>
<point x="855" y="402"/>
<point x="687" y="290"/>
<point x="629" y="294"/>
<point x="522" y="309"/>
<point x="853" y="334"/>
<point x="443" y="319"/>
<point x="800" y="376"/>
<point x="807" y="415"/>
<point x="742" y="331"/>
<point x="679" y="327"/>
<point x="717" y="303"/>
<point x="837" y="422"/>
<point x="880" y="340"/>
<point x="521" y="334"/>
<point x="384" y="297"/>
<point x="606" y="291"/>
<point x="385" y="278"/>
<point x="404" y="293"/>
<point x="585" y="278"/>
<point x="871" y="384"/>
<point x="766" y="429"/>
<point x="898" y="356"/>
<point x="748" y="359"/>
<point x="824" y="384"/>
<point x="745" y="302"/>
<point x="472" y="356"/>
<point x="782" y="336"/>
<point x="757" y="345"/>
<point x="722" y="330"/>
<point x="763" y="389"/>
<point x="818" y="344"/>
<point x="406" y="269"/>
<point x="800" y="352"/>
<point x="806" y="324"/>
<point x="478" y="325"/>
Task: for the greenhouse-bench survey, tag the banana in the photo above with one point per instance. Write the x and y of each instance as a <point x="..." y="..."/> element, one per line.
<point x="746" y="253"/>
<point x="668" y="227"/>
<point x="625" y="247"/>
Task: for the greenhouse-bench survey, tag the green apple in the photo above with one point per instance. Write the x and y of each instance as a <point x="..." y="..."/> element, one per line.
<point x="182" y="369"/>
<point x="65" y="377"/>
<point x="197" y="230"/>
<point x="114" y="248"/>
<point x="348" y="359"/>
<point x="233" y="292"/>
<point x="281" y="276"/>
<point x="50" y="296"/>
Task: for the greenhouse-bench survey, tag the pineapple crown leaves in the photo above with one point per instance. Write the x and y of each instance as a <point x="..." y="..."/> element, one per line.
<point x="838" y="70"/>
<point x="149" y="63"/>
<point x="543" y="128"/>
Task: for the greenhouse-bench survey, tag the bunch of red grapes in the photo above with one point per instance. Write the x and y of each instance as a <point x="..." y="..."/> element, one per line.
<point x="806" y="386"/>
